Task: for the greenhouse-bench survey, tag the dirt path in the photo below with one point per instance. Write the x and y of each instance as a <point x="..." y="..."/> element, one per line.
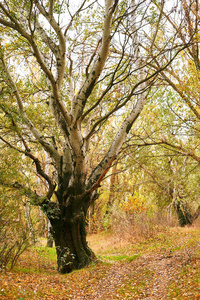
<point x="147" y="278"/>
<point x="172" y="271"/>
<point x="164" y="271"/>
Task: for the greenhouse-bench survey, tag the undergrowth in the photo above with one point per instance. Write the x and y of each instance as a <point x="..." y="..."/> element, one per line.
<point x="121" y="273"/>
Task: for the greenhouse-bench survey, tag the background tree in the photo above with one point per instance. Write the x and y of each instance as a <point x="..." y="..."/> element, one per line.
<point x="181" y="83"/>
<point x="160" y="157"/>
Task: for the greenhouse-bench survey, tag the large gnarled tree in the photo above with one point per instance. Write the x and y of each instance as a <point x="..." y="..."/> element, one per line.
<point x="66" y="72"/>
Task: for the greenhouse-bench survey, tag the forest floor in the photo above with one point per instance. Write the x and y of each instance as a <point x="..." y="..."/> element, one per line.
<point x="166" y="266"/>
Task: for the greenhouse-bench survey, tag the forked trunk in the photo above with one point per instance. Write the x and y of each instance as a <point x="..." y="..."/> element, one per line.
<point x="69" y="234"/>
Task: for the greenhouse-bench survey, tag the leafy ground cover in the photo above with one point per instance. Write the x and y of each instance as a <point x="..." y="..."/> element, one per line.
<point x="164" y="267"/>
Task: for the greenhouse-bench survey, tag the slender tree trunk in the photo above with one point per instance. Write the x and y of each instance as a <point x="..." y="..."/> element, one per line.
<point x="29" y="222"/>
<point x="49" y="235"/>
<point x="90" y="218"/>
<point x="112" y="189"/>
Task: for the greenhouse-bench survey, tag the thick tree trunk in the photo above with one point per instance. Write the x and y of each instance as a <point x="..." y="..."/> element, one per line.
<point x="70" y="240"/>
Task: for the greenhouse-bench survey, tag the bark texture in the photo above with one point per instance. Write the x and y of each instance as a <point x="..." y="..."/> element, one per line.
<point x="69" y="233"/>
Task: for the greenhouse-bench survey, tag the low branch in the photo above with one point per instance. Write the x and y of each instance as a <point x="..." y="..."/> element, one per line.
<point x="37" y="162"/>
<point x="35" y="199"/>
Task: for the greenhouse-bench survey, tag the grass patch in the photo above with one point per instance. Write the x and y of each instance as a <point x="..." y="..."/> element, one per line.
<point x="37" y="260"/>
<point x="46" y="252"/>
<point x="124" y="257"/>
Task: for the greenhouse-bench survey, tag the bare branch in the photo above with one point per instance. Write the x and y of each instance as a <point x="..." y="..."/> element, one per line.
<point x="35" y="199"/>
<point x="157" y="26"/>
<point x="72" y="17"/>
<point x="62" y="43"/>
<point x="85" y="91"/>
<point x="182" y="150"/>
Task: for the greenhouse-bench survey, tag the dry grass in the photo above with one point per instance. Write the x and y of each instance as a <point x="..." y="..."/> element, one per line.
<point x="108" y="242"/>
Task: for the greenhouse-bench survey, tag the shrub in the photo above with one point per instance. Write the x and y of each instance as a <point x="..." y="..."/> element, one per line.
<point x="136" y="219"/>
<point x="14" y="237"/>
